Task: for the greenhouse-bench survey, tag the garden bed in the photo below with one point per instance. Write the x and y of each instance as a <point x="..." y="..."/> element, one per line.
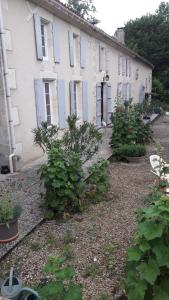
<point x="95" y="238"/>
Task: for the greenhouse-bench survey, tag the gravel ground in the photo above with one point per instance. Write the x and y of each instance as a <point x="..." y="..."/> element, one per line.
<point x="98" y="236"/>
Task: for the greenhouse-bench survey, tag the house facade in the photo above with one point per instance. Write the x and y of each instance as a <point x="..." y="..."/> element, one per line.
<point x="53" y="63"/>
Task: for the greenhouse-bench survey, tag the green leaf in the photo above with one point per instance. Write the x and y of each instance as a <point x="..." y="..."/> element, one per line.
<point x="149" y="271"/>
<point x="151" y="230"/>
<point x="137" y="291"/>
<point x="162" y="255"/>
<point x="134" y="254"/>
<point x="74" y="293"/>
<point x="144" y="246"/>
<point x="160" y="294"/>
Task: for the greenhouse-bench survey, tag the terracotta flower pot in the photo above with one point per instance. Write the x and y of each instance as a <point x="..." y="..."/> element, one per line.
<point x="134" y="159"/>
<point x="9" y="233"/>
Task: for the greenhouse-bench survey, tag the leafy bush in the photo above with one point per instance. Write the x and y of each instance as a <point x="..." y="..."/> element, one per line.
<point x="62" y="286"/>
<point x="83" y="139"/>
<point x="129" y="128"/>
<point x="147" y="271"/>
<point x="133" y="150"/>
<point x="45" y="135"/>
<point x="62" y="180"/>
<point x="9" y="210"/>
<point x="97" y="181"/>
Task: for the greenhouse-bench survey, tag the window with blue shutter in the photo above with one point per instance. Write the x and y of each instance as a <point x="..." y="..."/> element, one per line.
<point x="73" y="97"/>
<point x="61" y="103"/>
<point x="71" y="48"/>
<point x="98" y="104"/>
<point x="109" y="103"/>
<point x="40" y="103"/>
<point x="83" y="52"/>
<point x="85" y="100"/>
<point x="142" y="94"/>
<point x="56" y="42"/>
<point x="38" y="36"/>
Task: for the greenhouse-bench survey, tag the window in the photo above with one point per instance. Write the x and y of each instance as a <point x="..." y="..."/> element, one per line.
<point x="75" y="97"/>
<point x="44" y="38"/>
<point x="75" y="45"/>
<point x="47" y="102"/>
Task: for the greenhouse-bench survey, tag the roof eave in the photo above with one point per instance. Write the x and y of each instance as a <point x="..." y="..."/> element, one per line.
<point x="60" y="10"/>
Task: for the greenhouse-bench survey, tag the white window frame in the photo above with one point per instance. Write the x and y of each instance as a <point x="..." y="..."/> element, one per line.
<point x="45" y="23"/>
<point x="76" y="96"/>
<point x="50" y="96"/>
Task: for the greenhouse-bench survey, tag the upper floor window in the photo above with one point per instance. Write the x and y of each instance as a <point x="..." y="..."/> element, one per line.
<point x="102" y="58"/>
<point x="43" y="36"/>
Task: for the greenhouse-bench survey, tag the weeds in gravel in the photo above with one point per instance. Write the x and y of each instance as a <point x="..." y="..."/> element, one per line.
<point x="62" y="286"/>
<point x="68" y="238"/>
<point x="51" y="239"/>
<point x="35" y="246"/>
<point x="103" y="296"/>
<point x="67" y="252"/>
<point x="91" y="270"/>
<point x="108" y="251"/>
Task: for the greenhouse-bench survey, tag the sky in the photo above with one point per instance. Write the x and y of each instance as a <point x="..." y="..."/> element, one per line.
<point x="113" y="14"/>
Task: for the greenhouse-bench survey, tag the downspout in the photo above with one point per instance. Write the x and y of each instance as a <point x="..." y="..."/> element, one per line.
<point x="7" y="93"/>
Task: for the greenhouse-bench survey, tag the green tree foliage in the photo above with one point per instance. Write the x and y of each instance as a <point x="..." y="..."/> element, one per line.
<point x="84" y="8"/>
<point x="149" y="36"/>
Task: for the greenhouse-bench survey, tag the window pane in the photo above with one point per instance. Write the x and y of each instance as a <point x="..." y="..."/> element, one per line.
<point x="46" y="87"/>
<point x="49" y="120"/>
<point x="48" y="110"/>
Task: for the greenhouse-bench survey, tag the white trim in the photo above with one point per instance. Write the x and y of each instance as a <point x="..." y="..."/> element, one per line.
<point x="50" y="96"/>
<point x="45" y="23"/>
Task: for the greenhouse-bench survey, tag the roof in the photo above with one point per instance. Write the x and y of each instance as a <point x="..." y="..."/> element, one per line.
<point x="63" y="11"/>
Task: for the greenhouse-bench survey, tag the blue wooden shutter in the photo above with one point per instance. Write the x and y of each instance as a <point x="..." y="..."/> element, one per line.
<point x="56" y="42"/>
<point x="100" y="59"/>
<point x="119" y="64"/>
<point x="40" y="103"/>
<point x="72" y="98"/>
<point x="61" y="103"/>
<point x="123" y="65"/>
<point x="71" y="48"/>
<point x="142" y="94"/>
<point x="129" y="67"/>
<point x="38" y="37"/>
<point x="85" y="100"/>
<point x="83" y="52"/>
<point x="109" y="103"/>
<point x="98" y="104"/>
<point x="130" y="91"/>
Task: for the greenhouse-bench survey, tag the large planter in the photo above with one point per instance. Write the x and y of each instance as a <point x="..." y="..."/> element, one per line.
<point x="135" y="159"/>
<point x="9" y="232"/>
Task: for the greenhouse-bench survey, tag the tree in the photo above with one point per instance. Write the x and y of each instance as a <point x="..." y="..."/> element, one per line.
<point x="84" y="8"/>
<point x="149" y="36"/>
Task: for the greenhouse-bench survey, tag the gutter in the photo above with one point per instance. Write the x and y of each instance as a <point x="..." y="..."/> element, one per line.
<point x="7" y="93"/>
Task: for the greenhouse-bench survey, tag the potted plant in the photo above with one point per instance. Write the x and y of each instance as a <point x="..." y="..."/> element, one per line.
<point x="9" y="214"/>
<point x="132" y="152"/>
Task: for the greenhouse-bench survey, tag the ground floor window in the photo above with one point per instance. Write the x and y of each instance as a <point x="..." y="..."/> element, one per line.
<point x="47" y="94"/>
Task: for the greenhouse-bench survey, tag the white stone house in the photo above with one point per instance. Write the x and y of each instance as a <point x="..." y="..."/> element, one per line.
<point x="54" y="63"/>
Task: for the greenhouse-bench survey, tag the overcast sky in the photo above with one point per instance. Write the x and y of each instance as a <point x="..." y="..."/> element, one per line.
<point x="113" y="14"/>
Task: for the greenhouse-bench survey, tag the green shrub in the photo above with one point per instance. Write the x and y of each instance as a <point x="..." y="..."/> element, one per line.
<point x="83" y="139"/>
<point x="147" y="270"/>
<point x="62" y="180"/>
<point x="45" y="136"/>
<point x="97" y="181"/>
<point x="62" y="286"/>
<point x="129" y="128"/>
<point x="133" y="150"/>
<point x="9" y="209"/>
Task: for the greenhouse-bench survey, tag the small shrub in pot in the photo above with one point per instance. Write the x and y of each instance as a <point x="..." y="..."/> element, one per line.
<point x="133" y="150"/>
<point x="9" y="214"/>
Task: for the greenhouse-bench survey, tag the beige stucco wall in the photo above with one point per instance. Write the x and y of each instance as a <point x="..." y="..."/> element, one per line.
<point x="21" y="56"/>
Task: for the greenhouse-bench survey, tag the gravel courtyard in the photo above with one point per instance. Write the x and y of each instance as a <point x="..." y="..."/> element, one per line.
<point x="96" y="240"/>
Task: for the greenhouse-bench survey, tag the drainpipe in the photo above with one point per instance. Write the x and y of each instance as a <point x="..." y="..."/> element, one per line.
<point x="7" y="93"/>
